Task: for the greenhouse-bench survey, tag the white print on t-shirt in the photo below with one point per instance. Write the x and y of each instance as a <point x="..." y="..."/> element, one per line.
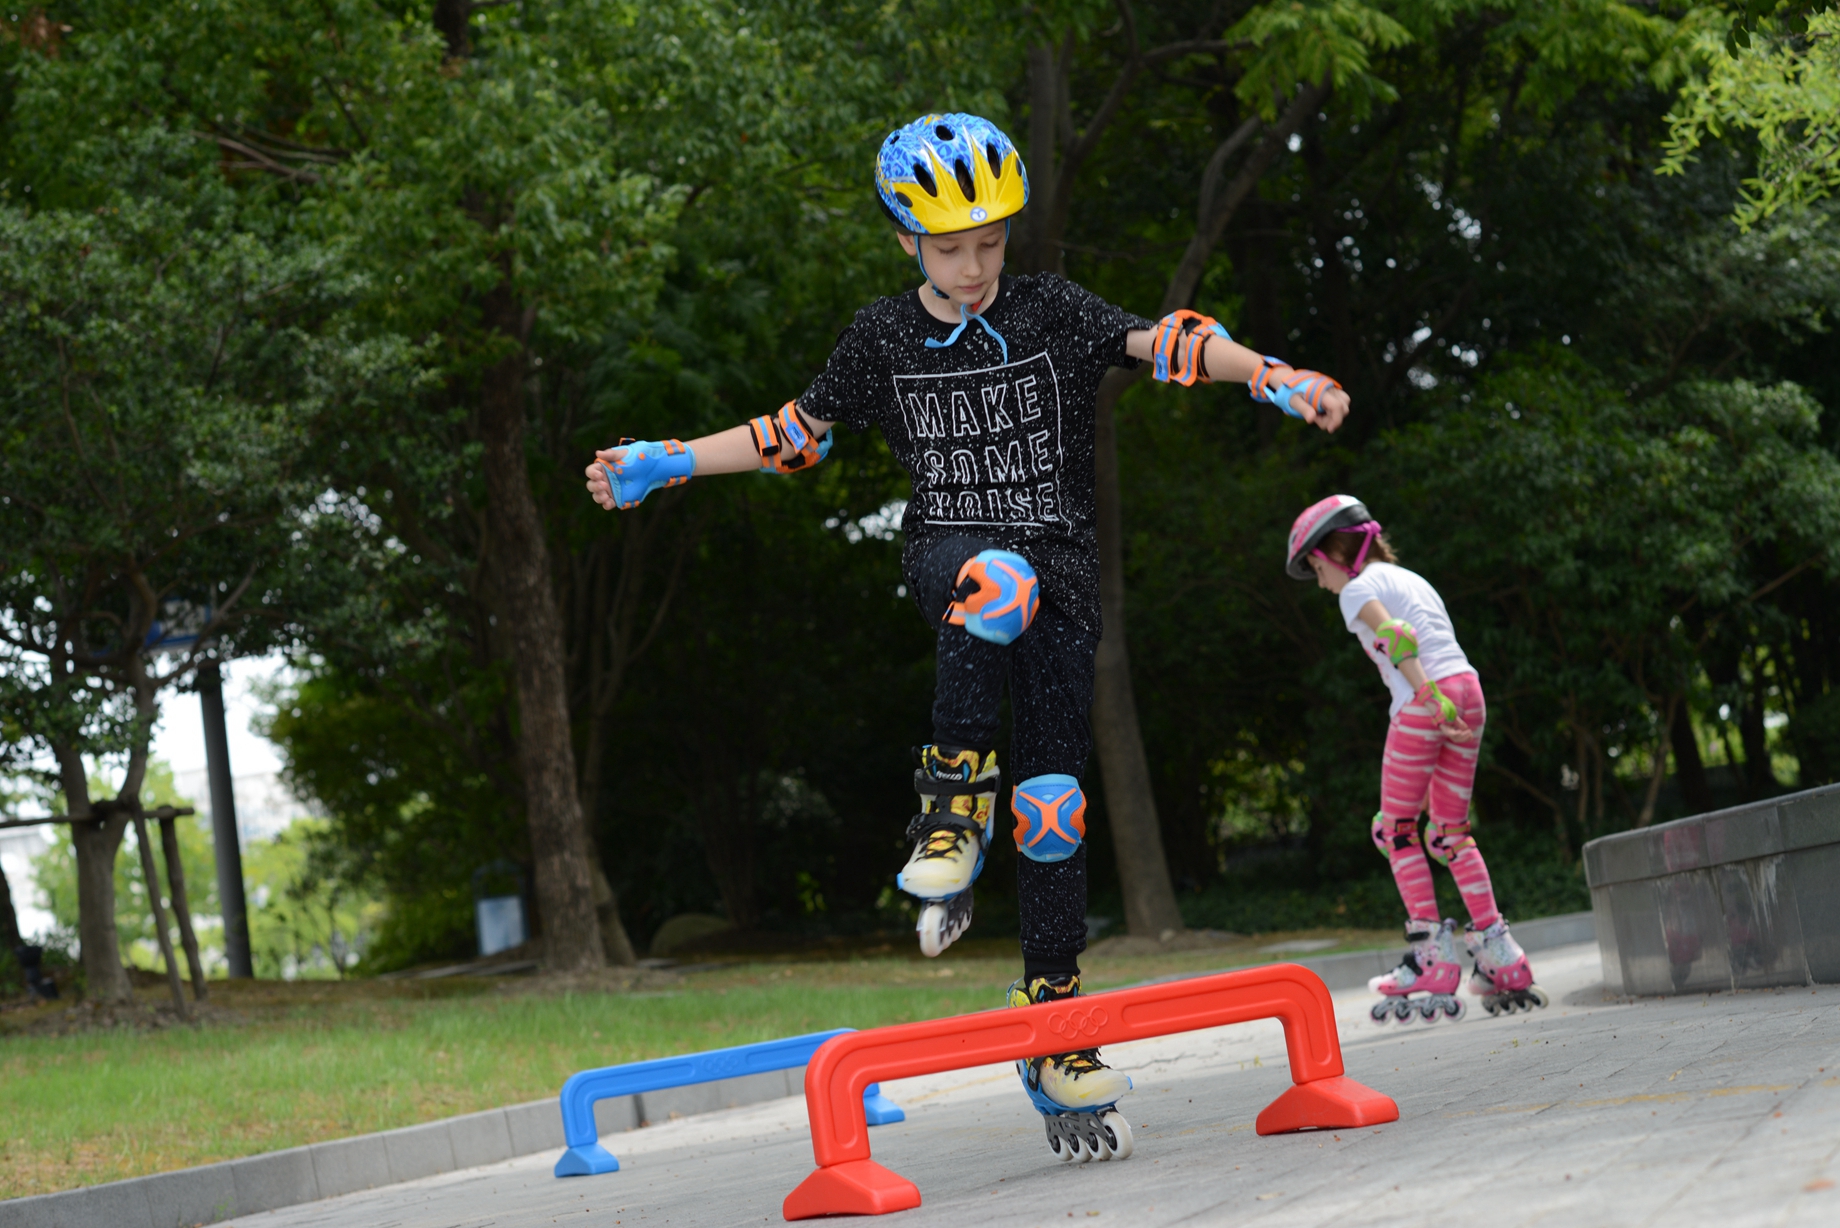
<point x="987" y="444"/>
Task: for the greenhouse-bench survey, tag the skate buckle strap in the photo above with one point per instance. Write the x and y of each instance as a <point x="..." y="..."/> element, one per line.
<point x="932" y="786"/>
<point x="939" y="820"/>
<point x="1083" y="1061"/>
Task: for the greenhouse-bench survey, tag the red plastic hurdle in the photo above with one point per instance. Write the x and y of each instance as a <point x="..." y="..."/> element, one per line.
<point x="848" y="1182"/>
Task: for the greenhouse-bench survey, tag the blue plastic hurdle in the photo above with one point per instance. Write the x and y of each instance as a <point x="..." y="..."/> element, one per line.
<point x="586" y="1156"/>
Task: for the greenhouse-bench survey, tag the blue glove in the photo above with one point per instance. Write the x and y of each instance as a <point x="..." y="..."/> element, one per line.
<point x="647" y="466"/>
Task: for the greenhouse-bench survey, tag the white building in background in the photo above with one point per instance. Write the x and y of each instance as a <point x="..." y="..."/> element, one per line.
<point x="264" y="806"/>
<point x="18" y="846"/>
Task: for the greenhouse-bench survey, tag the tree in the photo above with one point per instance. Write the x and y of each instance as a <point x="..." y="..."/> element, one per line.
<point x="154" y="413"/>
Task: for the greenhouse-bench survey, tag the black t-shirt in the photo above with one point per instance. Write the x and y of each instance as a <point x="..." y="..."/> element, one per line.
<point x="997" y="450"/>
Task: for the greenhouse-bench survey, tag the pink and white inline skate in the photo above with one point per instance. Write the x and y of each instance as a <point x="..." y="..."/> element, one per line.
<point x="1426" y="980"/>
<point x="1502" y="979"/>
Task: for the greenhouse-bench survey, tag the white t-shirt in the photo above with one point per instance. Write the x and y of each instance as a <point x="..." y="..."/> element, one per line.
<point x="1407" y="595"/>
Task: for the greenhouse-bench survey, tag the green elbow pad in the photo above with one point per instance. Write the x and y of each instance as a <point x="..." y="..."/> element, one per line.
<point x="1396" y="638"/>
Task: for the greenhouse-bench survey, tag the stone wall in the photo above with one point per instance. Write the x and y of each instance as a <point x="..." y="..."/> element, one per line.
<point x="1736" y="899"/>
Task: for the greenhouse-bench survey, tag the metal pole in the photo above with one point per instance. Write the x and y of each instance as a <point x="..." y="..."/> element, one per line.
<point x="223" y="822"/>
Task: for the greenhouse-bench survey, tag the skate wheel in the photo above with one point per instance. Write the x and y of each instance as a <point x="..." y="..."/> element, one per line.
<point x="1118" y="1133"/>
<point x="1058" y="1142"/>
<point x="1491" y="1006"/>
<point x="1382" y="1010"/>
<point x="1456" y="1009"/>
<point x="1402" y="1010"/>
<point x="931" y="930"/>
<point x="1539" y="997"/>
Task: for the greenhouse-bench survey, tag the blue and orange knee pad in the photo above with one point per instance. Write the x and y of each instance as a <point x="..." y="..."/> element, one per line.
<point x="1050" y="817"/>
<point x="996" y="596"/>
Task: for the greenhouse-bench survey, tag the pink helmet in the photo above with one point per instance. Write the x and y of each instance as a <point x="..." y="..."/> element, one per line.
<point x="1317" y="522"/>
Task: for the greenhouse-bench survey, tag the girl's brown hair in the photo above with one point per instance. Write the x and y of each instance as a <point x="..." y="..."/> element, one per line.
<point x="1344" y="546"/>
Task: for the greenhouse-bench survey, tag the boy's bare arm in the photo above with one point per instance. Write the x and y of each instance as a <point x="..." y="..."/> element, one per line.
<point x="1230" y="362"/>
<point x="730" y="451"/>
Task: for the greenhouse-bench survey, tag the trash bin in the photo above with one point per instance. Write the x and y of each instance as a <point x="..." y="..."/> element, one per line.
<point x="498" y="907"/>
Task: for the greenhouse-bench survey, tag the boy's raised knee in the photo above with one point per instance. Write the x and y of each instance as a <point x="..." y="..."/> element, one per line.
<point x="995" y="597"/>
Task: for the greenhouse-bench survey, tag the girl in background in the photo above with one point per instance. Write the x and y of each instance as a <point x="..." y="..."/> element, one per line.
<point x="1437" y="716"/>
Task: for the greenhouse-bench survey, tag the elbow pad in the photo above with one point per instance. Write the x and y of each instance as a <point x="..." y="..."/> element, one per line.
<point x="1176" y="347"/>
<point x="784" y="440"/>
<point x="1397" y="639"/>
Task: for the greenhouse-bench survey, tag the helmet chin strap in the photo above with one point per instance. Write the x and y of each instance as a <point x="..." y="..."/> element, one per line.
<point x="1368" y="531"/>
<point x="921" y="260"/>
<point x="964" y="319"/>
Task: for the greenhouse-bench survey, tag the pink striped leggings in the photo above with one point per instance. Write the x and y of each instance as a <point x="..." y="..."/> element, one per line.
<point x="1425" y="769"/>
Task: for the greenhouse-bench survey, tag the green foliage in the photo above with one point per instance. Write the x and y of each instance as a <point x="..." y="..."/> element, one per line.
<point x="1616" y="540"/>
<point x="304" y="921"/>
<point x="1332" y="40"/>
<point x="1783" y="90"/>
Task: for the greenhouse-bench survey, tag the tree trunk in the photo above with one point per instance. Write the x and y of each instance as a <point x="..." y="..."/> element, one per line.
<point x="182" y="907"/>
<point x="726" y="811"/>
<point x="1143" y="871"/>
<point x="1658" y="766"/>
<point x="9" y="918"/>
<point x="96" y="845"/>
<point x="1759" y="772"/>
<point x="150" y="874"/>
<point x="1689" y="769"/>
<point x="1042" y="252"/>
<point x="95" y="842"/>
<point x="1130" y="805"/>
<point x="527" y="604"/>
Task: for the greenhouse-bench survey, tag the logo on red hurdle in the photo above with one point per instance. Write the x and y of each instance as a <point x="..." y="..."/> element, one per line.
<point x="1076" y="1023"/>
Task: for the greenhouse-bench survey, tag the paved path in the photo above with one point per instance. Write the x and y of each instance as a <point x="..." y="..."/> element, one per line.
<point x="1721" y="1110"/>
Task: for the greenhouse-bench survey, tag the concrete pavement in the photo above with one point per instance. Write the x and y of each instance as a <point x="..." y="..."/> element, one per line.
<point x="1722" y="1109"/>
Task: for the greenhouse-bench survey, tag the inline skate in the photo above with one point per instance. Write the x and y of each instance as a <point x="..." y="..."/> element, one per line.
<point x="1426" y="981"/>
<point x="1502" y="977"/>
<point x="1075" y="1093"/>
<point x="958" y="796"/>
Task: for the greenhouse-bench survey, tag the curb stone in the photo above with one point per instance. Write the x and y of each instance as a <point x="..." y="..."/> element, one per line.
<point x="212" y="1193"/>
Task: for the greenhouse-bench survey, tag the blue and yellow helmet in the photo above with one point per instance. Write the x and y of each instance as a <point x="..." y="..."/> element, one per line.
<point x="943" y="173"/>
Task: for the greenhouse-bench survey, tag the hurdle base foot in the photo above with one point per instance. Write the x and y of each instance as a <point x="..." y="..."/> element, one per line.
<point x="879" y="1110"/>
<point x="586" y="1160"/>
<point x="1337" y="1103"/>
<point x="854" y="1187"/>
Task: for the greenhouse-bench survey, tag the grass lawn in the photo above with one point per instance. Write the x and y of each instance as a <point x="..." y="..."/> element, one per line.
<point x="277" y="1065"/>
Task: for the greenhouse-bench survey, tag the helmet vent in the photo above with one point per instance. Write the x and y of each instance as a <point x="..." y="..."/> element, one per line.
<point x="944" y="133"/>
<point x="965" y="182"/>
<point x="906" y="200"/>
<point x="994" y="158"/>
<point x="923" y="175"/>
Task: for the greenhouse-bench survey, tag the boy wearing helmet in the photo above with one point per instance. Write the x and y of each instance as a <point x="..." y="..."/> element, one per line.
<point x="1432" y="741"/>
<point x="984" y="387"/>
